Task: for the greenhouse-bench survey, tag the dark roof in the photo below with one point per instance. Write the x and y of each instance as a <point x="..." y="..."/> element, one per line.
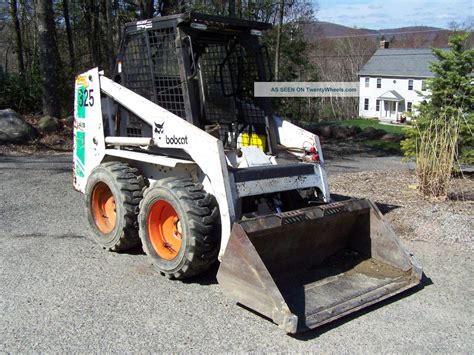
<point x="403" y="62"/>
<point x="391" y="95"/>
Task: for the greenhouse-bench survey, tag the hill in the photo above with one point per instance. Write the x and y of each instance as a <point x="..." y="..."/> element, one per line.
<point x="400" y="37"/>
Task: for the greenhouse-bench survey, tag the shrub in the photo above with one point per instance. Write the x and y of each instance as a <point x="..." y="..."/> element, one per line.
<point x="21" y="97"/>
<point x="443" y="130"/>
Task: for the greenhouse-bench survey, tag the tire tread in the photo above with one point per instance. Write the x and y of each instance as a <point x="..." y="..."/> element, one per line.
<point x="131" y="186"/>
<point x="202" y="216"/>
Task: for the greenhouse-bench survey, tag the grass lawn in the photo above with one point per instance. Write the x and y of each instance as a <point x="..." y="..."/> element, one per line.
<point x="362" y="123"/>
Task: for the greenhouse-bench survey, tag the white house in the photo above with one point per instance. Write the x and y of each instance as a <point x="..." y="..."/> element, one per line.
<point x="389" y="82"/>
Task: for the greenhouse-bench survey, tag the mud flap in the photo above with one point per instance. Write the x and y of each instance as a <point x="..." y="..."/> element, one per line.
<point x="308" y="267"/>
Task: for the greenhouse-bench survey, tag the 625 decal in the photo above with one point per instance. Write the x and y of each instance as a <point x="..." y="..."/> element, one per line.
<point x="85" y="97"/>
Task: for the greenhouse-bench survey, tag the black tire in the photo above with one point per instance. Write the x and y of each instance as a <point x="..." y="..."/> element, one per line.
<point x="198" y="217"/>
<point x="127" y="186"/>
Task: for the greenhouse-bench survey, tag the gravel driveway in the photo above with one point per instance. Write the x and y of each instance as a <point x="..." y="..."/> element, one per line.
<point x="61" y="292"/>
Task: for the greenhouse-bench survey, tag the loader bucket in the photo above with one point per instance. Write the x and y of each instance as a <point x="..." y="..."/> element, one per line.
<point x="308" y="267"/>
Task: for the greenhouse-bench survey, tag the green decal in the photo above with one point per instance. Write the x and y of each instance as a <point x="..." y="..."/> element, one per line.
<point x="80" y="153"/>
<point x="81" y="102"/>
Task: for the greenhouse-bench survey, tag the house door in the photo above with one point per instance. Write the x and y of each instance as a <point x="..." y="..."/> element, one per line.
<point x="392" y="109"/>
<point x="389" y="107"/>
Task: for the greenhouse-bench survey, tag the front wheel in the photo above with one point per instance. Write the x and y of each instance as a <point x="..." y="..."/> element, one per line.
<point x="113" y="192"/>
<point x="178" y="227"/>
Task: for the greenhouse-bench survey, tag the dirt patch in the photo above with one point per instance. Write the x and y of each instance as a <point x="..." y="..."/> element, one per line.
<point x="60" y="141"/>
<point x="410" y="214"/>
<point x="349" y="261"/>
<point x="377" y="269"/>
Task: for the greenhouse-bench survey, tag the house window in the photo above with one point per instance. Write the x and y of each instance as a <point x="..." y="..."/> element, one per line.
<point x="423" y="85"/>
<point x="379" y="83"/>
<point x="410" y="84"/>
<point x="377" y="105"/>
<point x="409" y="106"/>
<point x="367" y="80"/>
<point x="366" y="104"/>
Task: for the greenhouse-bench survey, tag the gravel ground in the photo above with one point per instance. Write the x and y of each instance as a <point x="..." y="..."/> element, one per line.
<point x="412" y="216"/>
<point x="61" y="292"/>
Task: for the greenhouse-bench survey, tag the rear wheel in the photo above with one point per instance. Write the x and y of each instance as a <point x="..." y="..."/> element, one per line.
<point x="178" y="227"/>
<point x="113" y="193"/>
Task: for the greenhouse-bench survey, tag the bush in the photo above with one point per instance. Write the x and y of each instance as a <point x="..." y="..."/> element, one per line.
<point x="15" y="94"/>
<point x="443" y="130"/>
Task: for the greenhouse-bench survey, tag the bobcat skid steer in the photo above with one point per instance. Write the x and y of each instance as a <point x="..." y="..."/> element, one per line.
<point x="175" y="152"/>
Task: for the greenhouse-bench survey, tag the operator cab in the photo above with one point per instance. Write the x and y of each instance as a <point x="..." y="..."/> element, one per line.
<point x="202" y="68"/>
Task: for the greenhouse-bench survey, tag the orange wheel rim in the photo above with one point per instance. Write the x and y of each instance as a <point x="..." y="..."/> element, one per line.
<point x="164" y="230"/>
<point x="103" y="208"/>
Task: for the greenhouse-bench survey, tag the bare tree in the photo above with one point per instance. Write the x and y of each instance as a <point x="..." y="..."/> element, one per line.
<point x="169" y="7"/>
<point x="281" y="12"/>
<point x="91" y="16"/>
<point x="147" y="8"/>
<point x="108" y="39"/>
<point x="19" y="44"/>
<point x="70" y="41"/>
<point x="48" y="57"/>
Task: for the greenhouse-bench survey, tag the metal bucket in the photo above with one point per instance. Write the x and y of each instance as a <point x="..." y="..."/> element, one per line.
<point x="308" y="267"/>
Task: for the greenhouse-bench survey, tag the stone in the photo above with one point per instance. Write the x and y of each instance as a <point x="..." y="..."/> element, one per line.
<point x="325" y="131"/>
<point x="340" y="132"/>
<point x="354" y="130"/>
<point x="69" y="120"/>
<point x="49" y="124"/>
<point x="371" y="133"/>
<point x="14" y="129"/>
<point x="389" y="137"/>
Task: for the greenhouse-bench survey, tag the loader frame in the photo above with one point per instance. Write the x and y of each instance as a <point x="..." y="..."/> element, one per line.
<point x="161" y="100"/>
<point x="204" y="155"/>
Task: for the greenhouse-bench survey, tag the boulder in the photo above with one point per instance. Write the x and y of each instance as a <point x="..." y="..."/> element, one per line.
<point x="340" y="132"/>
<point x="389" y="137"/>
<point x="354" y="130"/>
<point x="325" y="132"/>
<point x="371" y="133"/>
<point x="69" y="120"/>
<point x="49" y="124"/>
<point x="13" y="129"/>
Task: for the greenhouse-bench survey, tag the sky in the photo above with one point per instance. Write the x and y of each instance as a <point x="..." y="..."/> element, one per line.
<point x="379" y="14"/>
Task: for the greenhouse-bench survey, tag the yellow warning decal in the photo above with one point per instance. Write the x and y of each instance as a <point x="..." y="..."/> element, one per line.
<point x="81" y="80"/>
<point x="257" y="140"/>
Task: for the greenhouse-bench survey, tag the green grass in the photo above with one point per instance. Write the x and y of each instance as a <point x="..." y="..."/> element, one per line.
<point x="363" y="123"/>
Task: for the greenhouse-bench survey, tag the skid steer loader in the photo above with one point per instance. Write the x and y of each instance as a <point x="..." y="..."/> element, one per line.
<point x="175" y="152"/>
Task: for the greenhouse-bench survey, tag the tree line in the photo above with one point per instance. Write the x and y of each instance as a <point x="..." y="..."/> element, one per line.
<point x="52" y="41"/>
<point x="46" y="43"/>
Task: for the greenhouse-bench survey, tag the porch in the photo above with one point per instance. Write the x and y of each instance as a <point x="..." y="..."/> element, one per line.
<point x="392" y="105"/>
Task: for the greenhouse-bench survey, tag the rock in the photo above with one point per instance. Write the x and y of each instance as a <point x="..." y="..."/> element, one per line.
<point x="313" y="128"/>
<point x="354" y="130"/>
<point x="48" y="124"/>
<point x="371" y="133"/>
<point x="325" y="131"/>
<point x="69" y="120"/>
<point x="340" y="132"/>
<point x="389" y="137"/>
<point x="13" y="129"/>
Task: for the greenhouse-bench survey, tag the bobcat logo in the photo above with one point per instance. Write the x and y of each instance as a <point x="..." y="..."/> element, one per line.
<point x="159" y="128"/>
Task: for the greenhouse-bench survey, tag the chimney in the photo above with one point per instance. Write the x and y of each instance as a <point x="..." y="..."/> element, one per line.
<point x="384" y="44"/>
